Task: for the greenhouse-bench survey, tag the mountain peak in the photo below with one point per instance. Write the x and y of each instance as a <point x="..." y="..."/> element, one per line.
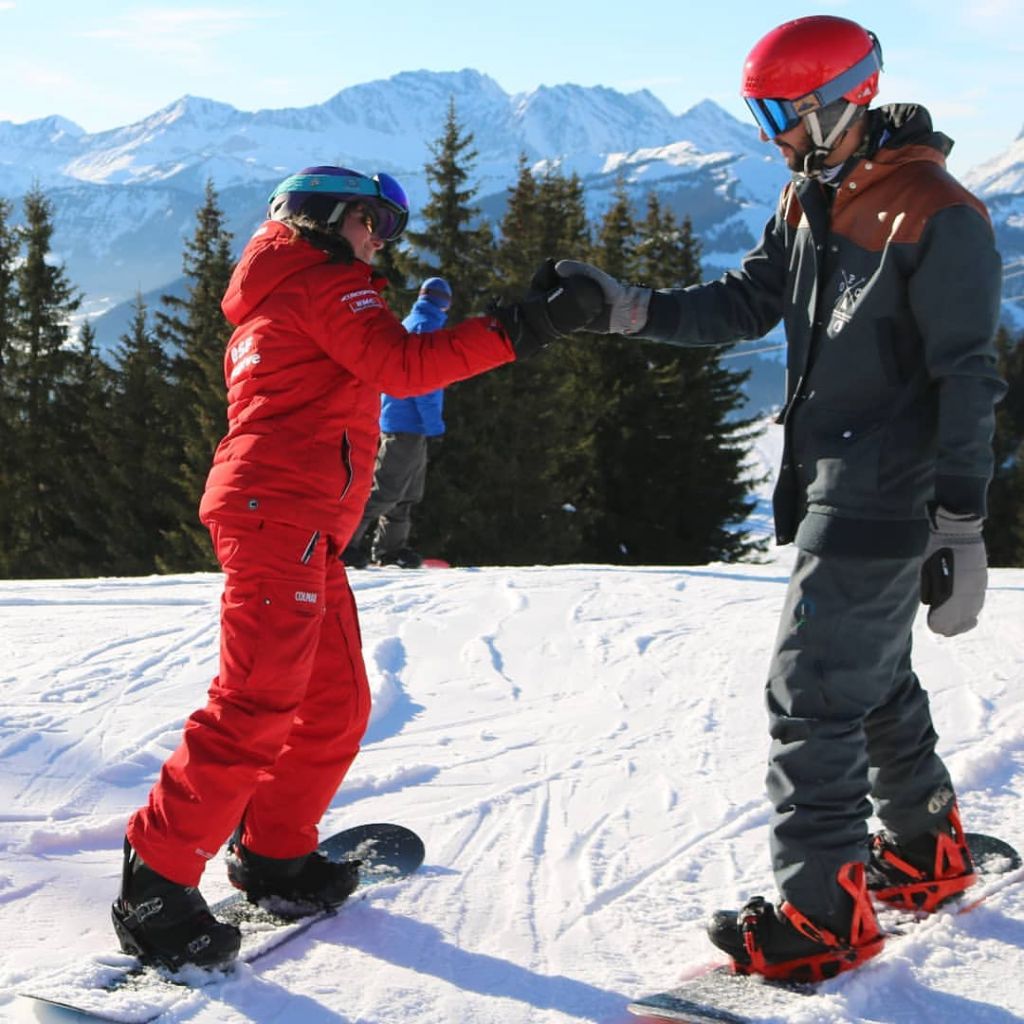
<point x="197" y="110"/>
<point x="53" y="128"/>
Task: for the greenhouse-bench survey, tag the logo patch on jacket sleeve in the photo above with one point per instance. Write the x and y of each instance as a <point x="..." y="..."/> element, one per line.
<point x="244" y="355"/>
<point x="362" y="300"/>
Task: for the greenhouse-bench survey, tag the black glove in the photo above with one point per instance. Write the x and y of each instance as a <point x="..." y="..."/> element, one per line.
<point x="954" y="574"/>
<point x="553" y="308"/>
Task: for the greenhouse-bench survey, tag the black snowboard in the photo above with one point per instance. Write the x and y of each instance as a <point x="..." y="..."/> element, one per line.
<point x="119" y="988"/>
<point x="718" y="996"/>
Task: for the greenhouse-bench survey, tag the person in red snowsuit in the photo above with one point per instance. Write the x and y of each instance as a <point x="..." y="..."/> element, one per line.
<point x="314" y="346"/>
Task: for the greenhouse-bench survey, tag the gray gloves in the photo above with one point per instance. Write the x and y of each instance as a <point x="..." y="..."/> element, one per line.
<point x="625" y="305"/>
<point x="955" y="573"/>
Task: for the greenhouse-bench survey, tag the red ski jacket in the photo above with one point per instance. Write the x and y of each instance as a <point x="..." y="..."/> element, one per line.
<point x="314" y="347"/>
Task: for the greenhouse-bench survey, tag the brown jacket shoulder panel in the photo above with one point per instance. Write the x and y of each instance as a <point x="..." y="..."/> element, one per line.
<point x="892" y="197"/>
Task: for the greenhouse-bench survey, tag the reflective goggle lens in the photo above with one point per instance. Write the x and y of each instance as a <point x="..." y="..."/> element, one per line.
<point x="773" y="117"/>
<point x="388" y="224"/>
<point x="392" y="208"/>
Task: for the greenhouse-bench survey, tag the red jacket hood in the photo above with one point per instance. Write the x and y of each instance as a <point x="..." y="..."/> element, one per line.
<point x="275" y="252"/>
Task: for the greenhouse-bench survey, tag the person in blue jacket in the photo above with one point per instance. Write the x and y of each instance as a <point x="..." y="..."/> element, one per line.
<point x="406" y="425"/>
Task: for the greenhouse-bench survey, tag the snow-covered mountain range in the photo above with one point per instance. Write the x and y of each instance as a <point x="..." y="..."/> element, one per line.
<point x="125" y="199"/>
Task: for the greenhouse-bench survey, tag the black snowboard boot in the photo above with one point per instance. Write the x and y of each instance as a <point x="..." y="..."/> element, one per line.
<point x="167" y="924"/>
<point x="355" y="556"/>
<point x="784" y="945"/>
<point x="923" y="872"/>
<point x="302" y="882"/>
<point x="404" y="558"/>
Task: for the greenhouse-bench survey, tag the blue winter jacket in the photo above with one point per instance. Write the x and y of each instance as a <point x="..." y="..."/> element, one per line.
<point x="421" y="414"/>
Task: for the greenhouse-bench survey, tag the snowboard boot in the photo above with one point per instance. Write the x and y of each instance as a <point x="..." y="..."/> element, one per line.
<point x="291" y="884"/>
<point x="782" y="944"/>
<point x="923" y="872"/>
<point x="404" y="558"/>
<point x="167" y="924"/>
<point x="355" y="557"/>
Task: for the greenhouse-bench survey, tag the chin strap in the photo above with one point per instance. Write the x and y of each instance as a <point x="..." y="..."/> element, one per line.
<point x="815" y="160"/>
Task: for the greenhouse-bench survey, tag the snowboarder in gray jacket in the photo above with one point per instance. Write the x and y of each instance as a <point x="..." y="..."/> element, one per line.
<point x="884" y="272"/>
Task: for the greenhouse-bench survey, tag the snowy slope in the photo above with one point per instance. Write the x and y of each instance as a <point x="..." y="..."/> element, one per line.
<point x="581" y="747"/>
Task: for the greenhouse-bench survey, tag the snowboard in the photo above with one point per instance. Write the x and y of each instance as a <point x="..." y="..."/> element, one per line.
<point x="120" y="988"/>
<point x="717" y="995"/>
<point x="428" y="563"/>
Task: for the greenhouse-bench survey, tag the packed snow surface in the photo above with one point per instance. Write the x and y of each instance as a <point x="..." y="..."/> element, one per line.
<point x="581" y="747"/>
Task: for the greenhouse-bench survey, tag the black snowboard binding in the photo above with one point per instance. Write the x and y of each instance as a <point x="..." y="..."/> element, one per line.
<point x="291" y="884"/>
<point x="167" y="924"/>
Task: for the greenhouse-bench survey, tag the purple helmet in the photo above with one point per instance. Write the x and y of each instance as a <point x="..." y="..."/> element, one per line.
<point x="322" y="193"/>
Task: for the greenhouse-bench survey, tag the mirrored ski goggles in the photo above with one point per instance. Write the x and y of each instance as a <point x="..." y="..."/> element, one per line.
<point x="385" y="223"/>
<point x="773" y="117"/>
<point x="391" y="207"/>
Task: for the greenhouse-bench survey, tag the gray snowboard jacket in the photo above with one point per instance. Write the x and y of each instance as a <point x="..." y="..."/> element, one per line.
<point x="888" y="284"/>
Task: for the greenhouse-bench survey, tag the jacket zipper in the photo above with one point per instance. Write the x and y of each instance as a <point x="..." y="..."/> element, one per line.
<point x="346" y="462"/>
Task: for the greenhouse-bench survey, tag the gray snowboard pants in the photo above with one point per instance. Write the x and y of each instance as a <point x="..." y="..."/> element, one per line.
<point x="849" y="723"/>
<point x="399" y="479"/>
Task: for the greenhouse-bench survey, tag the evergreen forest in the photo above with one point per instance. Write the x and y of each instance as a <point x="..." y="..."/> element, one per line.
<point x="600" y="449"/>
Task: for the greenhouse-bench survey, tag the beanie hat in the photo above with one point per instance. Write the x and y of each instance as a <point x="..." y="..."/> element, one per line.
<point x="438" y="291"/>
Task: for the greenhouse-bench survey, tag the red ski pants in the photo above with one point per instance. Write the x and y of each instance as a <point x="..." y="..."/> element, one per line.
<point x="285" y="713"/>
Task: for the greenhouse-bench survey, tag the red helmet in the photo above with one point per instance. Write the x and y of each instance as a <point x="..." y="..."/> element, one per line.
<point x="809" y="62"/>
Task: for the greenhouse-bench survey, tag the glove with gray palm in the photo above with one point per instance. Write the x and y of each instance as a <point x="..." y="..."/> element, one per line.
<point x="625" y="305"/>
<point x="954" y="574"/>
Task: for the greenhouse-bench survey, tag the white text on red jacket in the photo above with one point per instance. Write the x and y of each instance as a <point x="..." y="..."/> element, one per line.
<point x="362" y="300"/>
<point x="243" y="355"/>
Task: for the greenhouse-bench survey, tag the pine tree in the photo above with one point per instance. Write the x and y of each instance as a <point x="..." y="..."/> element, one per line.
<point x="498" y="492"/>
<point x="84" y="450"/>
<point x="611" y="381"/>
<point x="1004" y="526"/>
<point x="144" y="449"/>
<point x="521" y="232"/>
<point x="195" y="332"/>
<point x="451" y="245"/>
<point x="9" y="462"/>
<point x="670" y="485"/>
<point x="42" y="519"/>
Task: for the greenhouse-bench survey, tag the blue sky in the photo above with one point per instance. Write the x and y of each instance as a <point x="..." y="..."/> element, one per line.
<point x="107" y="64"/>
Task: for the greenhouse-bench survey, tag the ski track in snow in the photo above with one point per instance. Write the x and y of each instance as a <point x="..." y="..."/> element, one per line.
<point x="581" y="747"/>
